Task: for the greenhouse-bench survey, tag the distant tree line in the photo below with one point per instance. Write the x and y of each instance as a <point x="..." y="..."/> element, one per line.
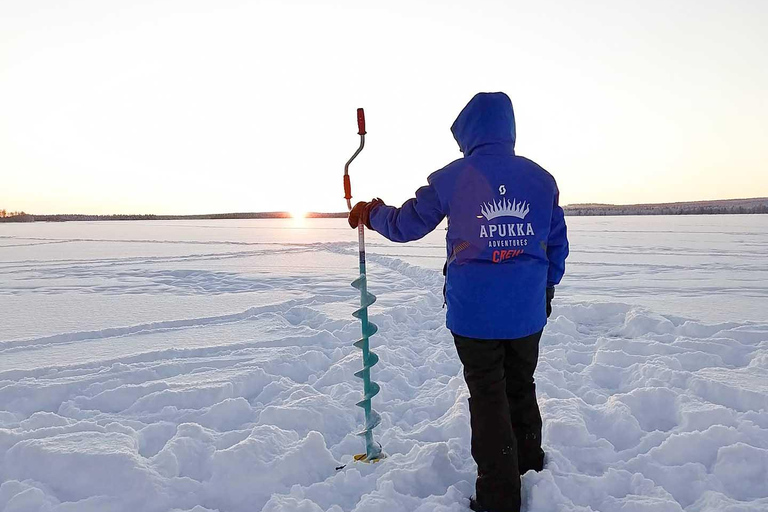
<point x="726" y="206"/>
<point x="4" y="214"/>
<point x="729" y="206"/>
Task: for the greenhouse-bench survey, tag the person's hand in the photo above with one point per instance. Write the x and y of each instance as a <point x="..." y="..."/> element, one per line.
<point x="550" y="296"/>
<point x="361" y="212"/>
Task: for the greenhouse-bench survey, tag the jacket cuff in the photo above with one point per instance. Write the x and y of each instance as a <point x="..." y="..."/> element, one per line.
<point x="372" y="206"/>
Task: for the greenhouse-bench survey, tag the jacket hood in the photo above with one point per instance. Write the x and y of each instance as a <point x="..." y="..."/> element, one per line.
<point x="487" y="119"/>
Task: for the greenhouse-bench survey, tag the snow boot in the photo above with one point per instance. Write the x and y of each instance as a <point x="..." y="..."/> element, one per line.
<point x="476" y="506"/>
<point x="529" y="452"/>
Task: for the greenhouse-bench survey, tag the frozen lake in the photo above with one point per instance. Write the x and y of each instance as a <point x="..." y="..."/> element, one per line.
<point x="207" y="365"/>
<point x="62" y="277"/>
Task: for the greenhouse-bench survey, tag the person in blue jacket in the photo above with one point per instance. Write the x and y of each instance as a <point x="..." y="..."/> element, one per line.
<point x="506" y="251"/>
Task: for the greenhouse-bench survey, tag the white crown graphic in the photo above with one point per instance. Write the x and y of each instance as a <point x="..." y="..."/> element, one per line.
<point x="503" y="208"/>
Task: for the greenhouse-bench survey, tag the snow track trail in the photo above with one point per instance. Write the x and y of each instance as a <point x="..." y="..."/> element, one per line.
<point x="213" y="371"/>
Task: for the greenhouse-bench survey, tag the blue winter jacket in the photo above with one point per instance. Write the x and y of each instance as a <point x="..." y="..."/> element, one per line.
<point x="506" y="237"/>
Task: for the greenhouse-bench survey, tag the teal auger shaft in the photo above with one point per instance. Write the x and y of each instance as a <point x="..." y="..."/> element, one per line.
<point x="370" y="388"/>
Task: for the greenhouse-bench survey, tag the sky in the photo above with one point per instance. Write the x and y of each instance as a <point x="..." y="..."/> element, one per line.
<point x="189" y="106"/>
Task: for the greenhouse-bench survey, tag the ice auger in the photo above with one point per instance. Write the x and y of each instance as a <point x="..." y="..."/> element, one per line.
<point x="370" y="388"/>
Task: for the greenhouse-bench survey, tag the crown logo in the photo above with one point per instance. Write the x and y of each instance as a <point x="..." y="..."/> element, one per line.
<point x="504" y="208"/>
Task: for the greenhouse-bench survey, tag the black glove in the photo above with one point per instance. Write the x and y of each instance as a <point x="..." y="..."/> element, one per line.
<point x="361" y="212"/>
<point x="550" y="296"/>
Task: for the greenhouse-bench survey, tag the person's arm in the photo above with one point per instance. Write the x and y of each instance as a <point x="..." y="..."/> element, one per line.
<point x="557" y="246"/>
<point x="413" y="220"/>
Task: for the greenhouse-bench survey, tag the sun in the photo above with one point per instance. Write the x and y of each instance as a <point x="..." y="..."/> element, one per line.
<point x="298" y="214"/>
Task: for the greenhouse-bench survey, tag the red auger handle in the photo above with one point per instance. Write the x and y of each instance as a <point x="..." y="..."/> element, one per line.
<point x="360" y="121"/>
<point x="347" y="187"/>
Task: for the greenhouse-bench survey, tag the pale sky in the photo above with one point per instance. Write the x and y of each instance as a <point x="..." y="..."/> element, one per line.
<point x="233" y="106"/>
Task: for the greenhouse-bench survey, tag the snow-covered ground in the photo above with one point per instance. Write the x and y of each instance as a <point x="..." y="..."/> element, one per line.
<point x="199" y="366"/>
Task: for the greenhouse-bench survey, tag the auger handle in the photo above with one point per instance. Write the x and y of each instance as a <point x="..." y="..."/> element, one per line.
<point x="360" y="122"/>
<point x="347" y="188"/>
<point x="361" y="132"/>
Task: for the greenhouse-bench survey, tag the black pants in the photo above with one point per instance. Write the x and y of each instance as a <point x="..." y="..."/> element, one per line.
<point x="504" y="415"/>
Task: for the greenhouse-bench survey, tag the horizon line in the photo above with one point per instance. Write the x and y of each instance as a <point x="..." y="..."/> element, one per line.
<point x="289" y="214"/>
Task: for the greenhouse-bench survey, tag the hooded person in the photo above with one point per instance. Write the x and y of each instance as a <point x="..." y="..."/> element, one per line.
<point x="506" y="248"/>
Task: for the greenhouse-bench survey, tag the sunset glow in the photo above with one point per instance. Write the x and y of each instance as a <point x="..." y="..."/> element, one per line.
<point x="141" y="131"/>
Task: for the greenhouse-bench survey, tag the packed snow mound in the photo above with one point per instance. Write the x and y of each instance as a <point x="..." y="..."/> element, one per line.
<point x="253" y="409"/>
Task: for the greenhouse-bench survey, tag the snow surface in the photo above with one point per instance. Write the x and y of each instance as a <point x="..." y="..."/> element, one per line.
<point x="202" y="366"/>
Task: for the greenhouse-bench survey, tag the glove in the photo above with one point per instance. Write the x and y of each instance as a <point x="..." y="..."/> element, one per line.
<point x="550" y="296"/>
<point x="361" y="212"/>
